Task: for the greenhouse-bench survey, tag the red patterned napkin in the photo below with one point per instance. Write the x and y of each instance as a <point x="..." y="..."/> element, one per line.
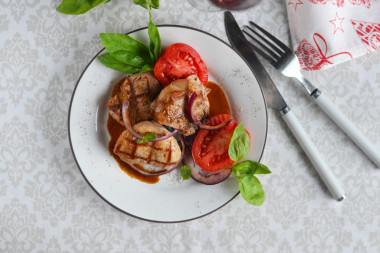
<point x="328" y="32"/>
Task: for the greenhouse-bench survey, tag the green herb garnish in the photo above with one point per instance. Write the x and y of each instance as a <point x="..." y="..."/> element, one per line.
<point x="239" y="145"/>
<point x="127" y="51"/>
<point x="124" y="53"/>
<point x="129" y="55"/>
<point x="147" y="137"/>
<point x="185" y="172"/>
<point x="77" y="7"/>
<point x="250" y="187"/>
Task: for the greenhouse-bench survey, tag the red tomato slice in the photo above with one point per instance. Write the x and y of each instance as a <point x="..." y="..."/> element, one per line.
<point x="180" y="61"/>
<point x="210" y="148"/>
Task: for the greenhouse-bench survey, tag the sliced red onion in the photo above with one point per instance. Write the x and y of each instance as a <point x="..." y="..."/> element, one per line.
<point x="197" y="122"/>
<point x="165" y="136"/>
<point x="128" y="125"/>
<point x="162" y="172"/>
<point x="216" y="127"/>
<point x="127" y="121"/>
<point x="190" y="108"/>
<point x="209" y="178"/>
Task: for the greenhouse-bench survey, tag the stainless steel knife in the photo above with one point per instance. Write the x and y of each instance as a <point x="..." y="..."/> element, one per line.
<point x="275" y="100"/>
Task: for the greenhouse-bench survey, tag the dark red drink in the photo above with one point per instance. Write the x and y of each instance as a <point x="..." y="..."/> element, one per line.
<point x="234" y="4"/>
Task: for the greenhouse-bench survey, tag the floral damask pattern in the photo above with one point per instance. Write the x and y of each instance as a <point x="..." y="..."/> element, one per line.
<point x="55" y="33"/>
<point x="169" y="238"/>
<point x="47" y="206"/>
<point x="3" y="106"/>
<point x="53" y="191"/>
<point x="19" y="154"/>
<point x="82" y="58"/>
<point x="247" y="233"/>
<point x="19" y="229"/>
<point x="18" y="8"/>
<point x="49" y="107"/>
<point x="19" y="67"/>
<point x="323" y="231"/>
<point x="290" y="186"/>
<point x="4" y="22"/>
<point x="90" y="230"/>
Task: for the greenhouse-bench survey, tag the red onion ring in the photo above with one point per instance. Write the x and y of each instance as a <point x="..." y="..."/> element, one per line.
<point x="128" y="125"/>
<point x="162" y="172"/>
<point x="127" y="121"/>
<point x="165" y="136"/>
<point x="197" y="122"/>
<point x="190" y="108"/>
<point x="209" y="178"/>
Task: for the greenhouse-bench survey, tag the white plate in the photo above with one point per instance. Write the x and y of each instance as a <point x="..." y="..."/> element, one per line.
<point x="171" y="199"/>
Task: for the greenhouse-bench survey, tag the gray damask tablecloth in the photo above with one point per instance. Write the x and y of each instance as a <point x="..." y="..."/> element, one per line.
<point x="46" y="205"/>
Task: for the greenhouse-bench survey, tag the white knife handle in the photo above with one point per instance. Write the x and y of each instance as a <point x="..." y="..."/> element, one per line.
<point x="347" y="126"/>
<point x="311" y="151"/>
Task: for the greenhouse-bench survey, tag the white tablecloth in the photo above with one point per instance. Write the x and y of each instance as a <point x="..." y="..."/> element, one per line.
<point x="46" y="205"/>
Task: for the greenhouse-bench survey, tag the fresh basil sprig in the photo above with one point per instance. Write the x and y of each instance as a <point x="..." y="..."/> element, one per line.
<point x="147" y="4"/>
<point x="239" y="145"/>
<point x="77" y="7"/>
<point x="185" y="171"/>
<point x="147" y="137"/>
<point x="154" y="35"/>
<point x="112" y="63"/>
<point x="129" y="55"/>
<point x="124" y="53"/>
<point x="250" y="187"/>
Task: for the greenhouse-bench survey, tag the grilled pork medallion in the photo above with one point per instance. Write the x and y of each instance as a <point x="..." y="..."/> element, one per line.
<point x="170" y="108"/>
<point x="140" y="90"/>
<point x="161" y="154"/>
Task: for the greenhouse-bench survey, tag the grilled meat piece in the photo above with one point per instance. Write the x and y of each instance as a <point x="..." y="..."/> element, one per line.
<point x="170" y="108"/>
<point x="161" y="154"/>
<point x="140" y="90"/>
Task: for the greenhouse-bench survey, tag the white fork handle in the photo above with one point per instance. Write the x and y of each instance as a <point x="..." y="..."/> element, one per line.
<point x="315" y="157"/>
<point x="347" y="126"/>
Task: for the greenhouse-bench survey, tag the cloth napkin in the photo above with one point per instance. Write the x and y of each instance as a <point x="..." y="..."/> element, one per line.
<point x="328" y="32"/>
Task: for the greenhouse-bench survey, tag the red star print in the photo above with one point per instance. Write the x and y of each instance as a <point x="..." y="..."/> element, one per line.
<point x="337" y="22"/>
<point x="295" y="3"/>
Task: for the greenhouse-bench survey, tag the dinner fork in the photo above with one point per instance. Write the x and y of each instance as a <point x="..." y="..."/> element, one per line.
<point x="283" y="59"/>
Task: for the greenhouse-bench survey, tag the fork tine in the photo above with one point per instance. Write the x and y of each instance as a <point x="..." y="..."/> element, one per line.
<point x="261" y="52"/>
<point x="271" y="37"/>
<point x="270" y="44"/>
<point x="268" y="54"/>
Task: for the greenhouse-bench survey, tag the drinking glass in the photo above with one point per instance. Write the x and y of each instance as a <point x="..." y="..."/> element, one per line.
<point x="219" y="5"/>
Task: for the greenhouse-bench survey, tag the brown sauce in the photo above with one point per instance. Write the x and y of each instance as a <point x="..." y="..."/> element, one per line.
<point x="114" y="130"/>
<point x="218" y="105"/>
<point x="218" y="100"/>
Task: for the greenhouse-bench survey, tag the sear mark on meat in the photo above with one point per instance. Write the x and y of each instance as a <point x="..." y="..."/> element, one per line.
<point x="160" y="154"/>
<point x="170" y="108"/>
<point x="140" y="90"/>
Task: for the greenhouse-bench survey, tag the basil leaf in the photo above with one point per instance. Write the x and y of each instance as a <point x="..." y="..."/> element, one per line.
<point x="147" y="4"/>
<point x="244" y="168"/>
<point x="112" y="63"/>
<point x="76" y="7"/>
<point x="126" y="49"/>
<point x="249" y="168"/>
<point x="146" y="68"/>
<point x="185" y="172"/>
<point x="251" y="190"/>
<point x="239" y="145"/>
<point x="154" y="41"/>
<point x="262" y="169"/>
<point x="147" y="137"/>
